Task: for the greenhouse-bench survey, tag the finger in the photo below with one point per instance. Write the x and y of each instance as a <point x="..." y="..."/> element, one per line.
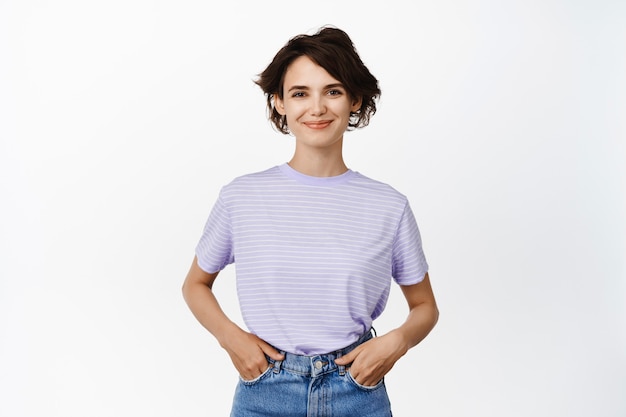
<point x="365" y="377"/>
<point x="347" y="358"/>
<point x="250" y="375"/>
<point x="271" y="351"/>
<point x="369" y="381"/>
<point x="253" y="367"/>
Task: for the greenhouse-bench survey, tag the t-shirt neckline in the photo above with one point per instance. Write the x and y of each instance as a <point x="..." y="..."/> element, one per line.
<point x="311" y="180"/>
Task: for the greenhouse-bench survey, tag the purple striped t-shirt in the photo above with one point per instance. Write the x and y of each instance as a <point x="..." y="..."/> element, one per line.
<point x="314" y="256"/>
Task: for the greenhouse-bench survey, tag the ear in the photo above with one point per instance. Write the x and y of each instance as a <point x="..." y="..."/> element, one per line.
<point x="356" y="104"/>
<point x="279" y="105"/>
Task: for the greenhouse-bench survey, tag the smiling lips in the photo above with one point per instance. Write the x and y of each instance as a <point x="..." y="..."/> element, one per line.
<point x="318" y="124"/>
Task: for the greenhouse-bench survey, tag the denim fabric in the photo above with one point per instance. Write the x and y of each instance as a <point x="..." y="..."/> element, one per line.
<point x="310" y="386"/>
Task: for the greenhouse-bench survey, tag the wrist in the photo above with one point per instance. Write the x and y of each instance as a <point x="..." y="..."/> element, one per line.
<point x="402" y="341"/>
<point x="225" y="333"/>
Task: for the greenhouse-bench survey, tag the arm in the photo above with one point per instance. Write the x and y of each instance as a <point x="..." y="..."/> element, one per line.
<point x="245" y="349"/>
<point x="374" y="358"/>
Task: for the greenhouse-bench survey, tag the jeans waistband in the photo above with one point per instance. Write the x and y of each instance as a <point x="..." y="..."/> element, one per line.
<point x="316" y="365"/>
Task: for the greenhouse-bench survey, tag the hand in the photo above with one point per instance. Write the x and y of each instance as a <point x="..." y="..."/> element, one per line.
<point x="247" y="352"/>
<point x="371" y="360"/>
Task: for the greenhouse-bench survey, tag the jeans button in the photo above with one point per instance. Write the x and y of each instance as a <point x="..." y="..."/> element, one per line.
<point x="318" y="365"/>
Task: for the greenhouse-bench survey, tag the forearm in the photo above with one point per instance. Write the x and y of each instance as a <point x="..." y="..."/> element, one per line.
<point x="373" y="359"/>
<point x="246" y="350"/>
<point x="423" y="313"/>
<point x="205" y="307"/>
<point x="420" y="321"/>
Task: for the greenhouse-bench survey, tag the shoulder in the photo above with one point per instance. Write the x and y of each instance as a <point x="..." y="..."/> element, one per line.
<point x="255" y="178"/>
<point x="250" y="183"/>
<point x="378" y="188"/>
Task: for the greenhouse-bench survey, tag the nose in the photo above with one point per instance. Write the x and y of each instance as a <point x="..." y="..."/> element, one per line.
<point x="318" y="106"/>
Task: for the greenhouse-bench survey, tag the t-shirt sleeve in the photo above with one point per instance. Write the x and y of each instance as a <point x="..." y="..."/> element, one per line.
<point x="215" y="248"/>
<point x="409" y="263"/>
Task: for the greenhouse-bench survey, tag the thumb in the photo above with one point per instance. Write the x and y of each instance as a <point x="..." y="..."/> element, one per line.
<point x="347" y="358"/>
<point x="271" y="351"/>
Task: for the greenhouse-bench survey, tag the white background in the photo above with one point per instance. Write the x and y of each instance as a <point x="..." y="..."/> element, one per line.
<point x="502" y="121"/>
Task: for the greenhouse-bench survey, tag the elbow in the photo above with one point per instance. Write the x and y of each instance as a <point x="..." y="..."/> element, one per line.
<point x="434" y="315"/>
<point x="185" y="290"/>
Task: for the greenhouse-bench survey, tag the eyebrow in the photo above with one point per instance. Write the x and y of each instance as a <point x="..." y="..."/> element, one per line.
<point x="304" y="87"/>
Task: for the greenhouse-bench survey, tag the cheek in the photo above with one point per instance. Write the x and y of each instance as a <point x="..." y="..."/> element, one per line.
<point x="344" y="109"/>
<point x="294" y="112"/>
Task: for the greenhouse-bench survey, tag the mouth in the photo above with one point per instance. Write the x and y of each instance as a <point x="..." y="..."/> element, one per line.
<point x="317" y="125"/>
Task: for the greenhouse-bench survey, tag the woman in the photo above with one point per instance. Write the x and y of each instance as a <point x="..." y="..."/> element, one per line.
<point x="316" y="246"/>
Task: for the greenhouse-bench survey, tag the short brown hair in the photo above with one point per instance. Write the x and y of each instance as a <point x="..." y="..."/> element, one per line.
<point x="333" y="50"/>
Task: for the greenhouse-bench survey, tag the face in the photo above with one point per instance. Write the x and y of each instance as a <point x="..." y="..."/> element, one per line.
<point x="317" y="106"/>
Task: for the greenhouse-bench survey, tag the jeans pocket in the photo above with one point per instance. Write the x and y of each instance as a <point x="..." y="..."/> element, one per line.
<point x="364" y="387"/>
<point x="258" y="378"/>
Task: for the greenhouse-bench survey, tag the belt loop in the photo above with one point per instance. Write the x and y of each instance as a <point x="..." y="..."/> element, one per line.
<point x="341" y="368"/>
<point x="277" y="364"/>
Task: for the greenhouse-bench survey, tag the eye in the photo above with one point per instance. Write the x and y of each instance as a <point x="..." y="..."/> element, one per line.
<point x="298" y="94"/>
<point x="335" y="92"/>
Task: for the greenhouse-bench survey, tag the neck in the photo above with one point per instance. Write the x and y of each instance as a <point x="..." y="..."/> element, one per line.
<point x="318" y="162"/>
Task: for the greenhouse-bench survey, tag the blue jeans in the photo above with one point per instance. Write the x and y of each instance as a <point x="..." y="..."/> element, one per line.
<point x="310" y="386"/>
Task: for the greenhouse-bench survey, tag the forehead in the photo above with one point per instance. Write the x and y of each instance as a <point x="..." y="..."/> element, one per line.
<point x="303" y="71"/>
